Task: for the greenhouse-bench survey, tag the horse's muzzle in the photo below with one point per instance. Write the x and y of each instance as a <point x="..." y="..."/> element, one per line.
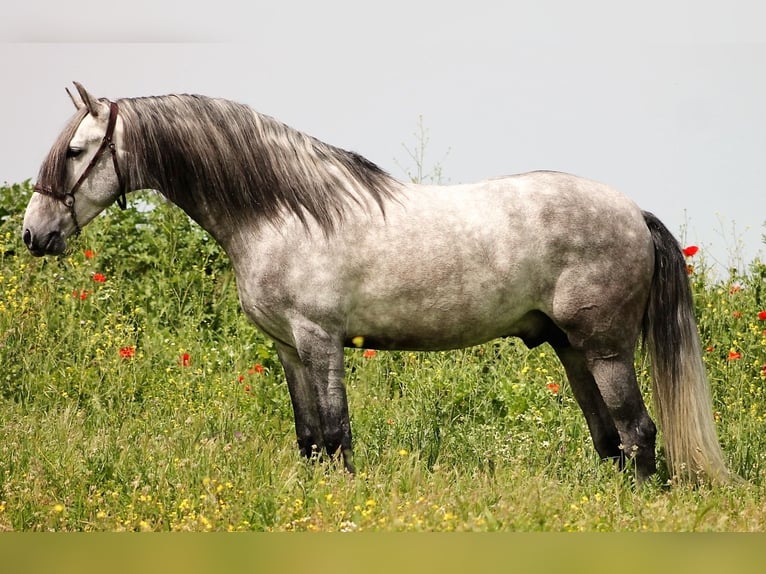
<point x="51" y="244"/>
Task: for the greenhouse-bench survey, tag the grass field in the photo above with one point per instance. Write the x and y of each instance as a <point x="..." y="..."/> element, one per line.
<point x="134" y="395"/>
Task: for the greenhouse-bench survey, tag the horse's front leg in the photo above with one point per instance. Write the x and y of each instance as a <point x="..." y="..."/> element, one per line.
<point x="314" y="370"/>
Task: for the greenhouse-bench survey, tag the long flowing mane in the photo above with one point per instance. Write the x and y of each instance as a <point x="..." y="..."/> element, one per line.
<point x="250" y="163"/>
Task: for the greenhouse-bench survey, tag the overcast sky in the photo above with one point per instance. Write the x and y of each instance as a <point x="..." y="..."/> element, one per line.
<point x="664" y="100"/>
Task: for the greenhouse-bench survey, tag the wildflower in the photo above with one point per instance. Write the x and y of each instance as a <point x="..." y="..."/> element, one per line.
<point x="553" y="388"/>
<point x="99" y="278"/>
<point x="762" y="315"/>
<point x="734" y="289"/>
<point x="403" y="452"/>
<point x="357" y="341"/>
<point x="690" y="269"/>
<point x="89" y="254"/>
<point x="184" y="360"/>
<point x="81" y="295"/>
<point x="241" y="378"/>
<point x="58" y="508"/>
<point x="710" y="349"/>
<point x="127" y="352"/>
<point x="256" y="370"/>
<point x="369" y="353"/>
<point x="690" y="251"/>
<point x="737" y="314"/>
<point x="734" y="355"/>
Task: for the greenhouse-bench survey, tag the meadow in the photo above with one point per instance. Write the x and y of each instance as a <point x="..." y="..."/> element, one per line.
<point x="135" y="396"/>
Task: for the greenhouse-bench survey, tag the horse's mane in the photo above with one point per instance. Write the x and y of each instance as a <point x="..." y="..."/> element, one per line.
<point x="248" y="163"/>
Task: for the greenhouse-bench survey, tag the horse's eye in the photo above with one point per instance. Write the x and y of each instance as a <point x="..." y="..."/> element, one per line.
<point x="73" y="152"/>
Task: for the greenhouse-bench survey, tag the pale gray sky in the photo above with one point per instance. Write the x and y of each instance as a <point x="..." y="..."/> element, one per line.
<point x="665" y="100"/>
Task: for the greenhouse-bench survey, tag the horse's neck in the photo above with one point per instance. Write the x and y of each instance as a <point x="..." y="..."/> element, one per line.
<point x="209" y="216"/>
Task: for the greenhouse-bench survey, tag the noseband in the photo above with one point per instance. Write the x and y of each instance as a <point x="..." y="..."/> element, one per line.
<point x="68" y="198"/>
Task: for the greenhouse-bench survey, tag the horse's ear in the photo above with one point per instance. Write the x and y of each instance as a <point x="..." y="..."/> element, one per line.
<point x="76" y="101"/>
<point x="88" y="101"/>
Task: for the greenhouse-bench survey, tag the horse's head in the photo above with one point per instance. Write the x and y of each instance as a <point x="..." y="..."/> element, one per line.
<point x="77" y="180"/>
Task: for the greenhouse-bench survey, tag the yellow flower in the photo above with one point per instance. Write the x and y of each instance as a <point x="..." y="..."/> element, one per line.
<point x="58" y="508"/>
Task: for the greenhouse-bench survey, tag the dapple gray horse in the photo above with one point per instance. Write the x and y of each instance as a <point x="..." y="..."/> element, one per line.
<point x="329" y="251"/>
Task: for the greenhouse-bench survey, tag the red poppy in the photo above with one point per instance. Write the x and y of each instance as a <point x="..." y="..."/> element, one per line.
<point x="99" y="278"/>
<point x="710" y="349"/>
<point x="81" y="295"/>
<point x="737" y="314"/>
<point x="762" y="315"/>
<point x="689" y="269"/>
<point x="127" y="352"/>
<point x="553" y="388"/>
<point x="734" y="355"/>
<point x="248" y="389"/>
<point x="690" y="251"/>
<point x="89" y="254"/>
<point x="241" y="378"/>
<point x="184" y="360"/>
<point x="256" y="370"/>
<point x="369" y="353"/>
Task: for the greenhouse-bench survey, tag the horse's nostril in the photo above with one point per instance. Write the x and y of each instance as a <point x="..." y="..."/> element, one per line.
<point x="27" y="238"/>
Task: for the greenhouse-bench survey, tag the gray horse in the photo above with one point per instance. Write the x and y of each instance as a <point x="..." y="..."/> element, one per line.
<point x="330" y="251"/>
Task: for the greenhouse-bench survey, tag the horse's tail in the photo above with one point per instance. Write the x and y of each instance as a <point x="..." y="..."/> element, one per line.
<point x="679" y="383"/>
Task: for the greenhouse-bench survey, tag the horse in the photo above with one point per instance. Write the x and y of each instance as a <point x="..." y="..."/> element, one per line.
<point x="330" y="251"/>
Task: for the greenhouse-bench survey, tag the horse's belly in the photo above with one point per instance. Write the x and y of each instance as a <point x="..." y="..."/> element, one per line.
<point x="435" y="322"/>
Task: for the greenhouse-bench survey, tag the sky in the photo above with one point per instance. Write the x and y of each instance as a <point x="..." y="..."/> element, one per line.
<point x="665" y="101"/>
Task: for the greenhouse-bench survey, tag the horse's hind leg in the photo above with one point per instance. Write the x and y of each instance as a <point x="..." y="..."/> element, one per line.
<point x="605" y="436"/>
<point x="615" y="377"/>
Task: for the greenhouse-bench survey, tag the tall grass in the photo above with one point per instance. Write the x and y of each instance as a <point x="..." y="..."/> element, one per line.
<point x="134" y="395"/>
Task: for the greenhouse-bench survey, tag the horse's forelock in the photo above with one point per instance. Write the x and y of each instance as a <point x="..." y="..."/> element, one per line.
<point x="52" y="174"/>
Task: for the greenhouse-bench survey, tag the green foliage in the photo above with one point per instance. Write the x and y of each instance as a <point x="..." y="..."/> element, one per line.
<point x="144" y="400"/>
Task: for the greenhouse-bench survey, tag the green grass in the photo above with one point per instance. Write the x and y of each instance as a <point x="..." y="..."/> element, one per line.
<point x="140" y="407"/>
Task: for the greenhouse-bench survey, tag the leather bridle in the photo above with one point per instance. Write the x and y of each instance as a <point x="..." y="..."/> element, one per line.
<point x="107" y="143"/>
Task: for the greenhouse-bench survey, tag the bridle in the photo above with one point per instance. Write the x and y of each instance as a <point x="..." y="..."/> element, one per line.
<point x="68" y="198"/>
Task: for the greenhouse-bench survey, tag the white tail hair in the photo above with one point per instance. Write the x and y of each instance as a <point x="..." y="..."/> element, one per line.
<point x="679" y="383"/>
